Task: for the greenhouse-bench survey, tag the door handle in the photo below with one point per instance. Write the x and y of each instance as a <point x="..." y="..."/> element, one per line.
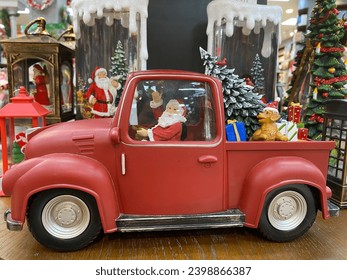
<point x="207" y="159"/>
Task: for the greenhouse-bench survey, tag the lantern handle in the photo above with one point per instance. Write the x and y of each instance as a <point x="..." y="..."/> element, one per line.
<point x="41" y="27"/>
<point x="67" y="33"/>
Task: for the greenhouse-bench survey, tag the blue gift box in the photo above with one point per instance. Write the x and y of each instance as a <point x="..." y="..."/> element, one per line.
<point x="236" y="131"/>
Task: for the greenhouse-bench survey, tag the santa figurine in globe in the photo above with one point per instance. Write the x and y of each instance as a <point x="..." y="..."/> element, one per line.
<point x="102" y="93"/>
<point x="169" y="125"/>
<point x="40" y="79"/>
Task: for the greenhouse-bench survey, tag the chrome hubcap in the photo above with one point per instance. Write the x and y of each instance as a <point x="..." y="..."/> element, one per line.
<point x="287" y="210"/>
<point x="65" y="216"/>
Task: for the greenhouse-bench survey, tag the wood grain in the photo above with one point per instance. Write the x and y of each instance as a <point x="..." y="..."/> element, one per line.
<point x="326" y="240"/>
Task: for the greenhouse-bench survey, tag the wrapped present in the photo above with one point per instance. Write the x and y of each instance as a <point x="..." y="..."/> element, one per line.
<point x="302" y="133"/>
<point x="288" y="129"/>
<point x="235" y="131"/>
<point x="294" y="112"/>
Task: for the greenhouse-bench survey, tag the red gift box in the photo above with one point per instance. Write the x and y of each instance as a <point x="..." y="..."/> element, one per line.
<point x="294" y="112"/>
<point x="302" y="133"/>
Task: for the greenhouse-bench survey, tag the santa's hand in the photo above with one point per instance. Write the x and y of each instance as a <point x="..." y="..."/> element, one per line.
<point x="93" y="100"/>
<point x="156" y="96"/>
<point x="142" y="132"/>
<point x="114" y="83"/>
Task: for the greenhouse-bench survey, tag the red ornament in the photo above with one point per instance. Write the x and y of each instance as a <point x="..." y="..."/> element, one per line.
<point x="313" y="118"/>
<point x="222" y="62"/>
<point x="325" y="95"/>
<point x="320" y="119"/>
<point x="320" y="36"/>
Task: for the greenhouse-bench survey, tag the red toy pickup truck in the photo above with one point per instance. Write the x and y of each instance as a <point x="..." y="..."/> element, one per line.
<point x="84" y="178"/>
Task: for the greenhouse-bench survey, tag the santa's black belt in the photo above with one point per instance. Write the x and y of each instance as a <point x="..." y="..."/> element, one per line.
<point x="104" y="102"/>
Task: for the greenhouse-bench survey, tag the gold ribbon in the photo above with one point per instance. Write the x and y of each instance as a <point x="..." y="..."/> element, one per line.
<point x="233" y="122"/>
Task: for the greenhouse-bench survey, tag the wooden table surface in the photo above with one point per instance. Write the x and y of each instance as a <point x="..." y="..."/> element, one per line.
<point x="326" y="240"/>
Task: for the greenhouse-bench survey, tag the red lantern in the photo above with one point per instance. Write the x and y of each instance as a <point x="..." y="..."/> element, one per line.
<point x="21" y="106"/>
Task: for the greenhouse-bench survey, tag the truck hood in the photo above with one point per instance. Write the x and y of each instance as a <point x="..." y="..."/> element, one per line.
<point x="77" y="137"/>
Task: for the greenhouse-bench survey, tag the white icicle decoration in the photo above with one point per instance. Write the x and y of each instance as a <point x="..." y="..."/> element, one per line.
<point x="89" y="10"/>
<point x="254" y="17"/>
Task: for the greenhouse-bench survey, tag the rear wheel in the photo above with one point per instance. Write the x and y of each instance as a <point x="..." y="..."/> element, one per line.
<point x="288" y="213"/>
<point x="64" y="220"/>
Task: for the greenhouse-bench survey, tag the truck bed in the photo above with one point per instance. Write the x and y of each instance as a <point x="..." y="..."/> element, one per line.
<point x="243" y="156"/>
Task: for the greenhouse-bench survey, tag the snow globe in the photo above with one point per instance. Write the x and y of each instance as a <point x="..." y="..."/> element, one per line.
<point x="247" y="35"/>
<point x="111" y="35"/>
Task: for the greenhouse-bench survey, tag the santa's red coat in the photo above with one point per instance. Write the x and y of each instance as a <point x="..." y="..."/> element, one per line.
<point x="100" y="95"/>
<point x="170" y="133"/>
<point x="41" y="95"/>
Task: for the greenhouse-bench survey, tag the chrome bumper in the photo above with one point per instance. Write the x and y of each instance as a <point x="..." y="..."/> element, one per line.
<point x="12" y="224"/>
<point x="334" y="210"/>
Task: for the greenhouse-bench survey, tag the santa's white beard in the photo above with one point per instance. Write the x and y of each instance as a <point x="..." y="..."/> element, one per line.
<point x="102" y="83"/>
<point x="168" y="119"/>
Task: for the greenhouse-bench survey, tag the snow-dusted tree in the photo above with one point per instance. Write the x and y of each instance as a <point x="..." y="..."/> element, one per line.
<point x="257" y="73"/>
<point x="119" y="67"/>
<point x="240" y="102"/>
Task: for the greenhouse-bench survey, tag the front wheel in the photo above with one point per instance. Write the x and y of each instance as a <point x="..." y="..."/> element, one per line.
<point x="64" y="220"/>
<point x="288" y="213"/>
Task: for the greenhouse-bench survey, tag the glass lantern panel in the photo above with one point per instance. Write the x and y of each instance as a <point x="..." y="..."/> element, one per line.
<point x="4" y="93"/>
<point x="97" y="44"/>
<point x="66" y="88"/>
<point x="107" y="44"/>
<point x="19" y="76"/>
<point x="245" y="51"/>
<point x="41" y="84"/>
<point x="335" y="130"/>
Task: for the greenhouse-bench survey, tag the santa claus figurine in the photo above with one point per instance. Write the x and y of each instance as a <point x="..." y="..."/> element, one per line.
<point x="40" y="79"/>
<point x="102" y="93"/>
<point x="169" y="125"/>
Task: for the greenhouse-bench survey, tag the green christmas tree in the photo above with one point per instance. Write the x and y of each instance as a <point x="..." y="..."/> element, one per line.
<point x="257" y="73"/>
<point x="328" y="70"/>
<point x="240" y="102"/>
<point x="119" y="67"/>
<point x="17" y="155"/>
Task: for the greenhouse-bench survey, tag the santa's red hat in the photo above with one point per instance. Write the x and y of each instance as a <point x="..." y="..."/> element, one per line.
<point x="38" y="68"/>
<point x="96" y="71"/>
<point x="21" y="139"/>
<point x="273" y="106"/>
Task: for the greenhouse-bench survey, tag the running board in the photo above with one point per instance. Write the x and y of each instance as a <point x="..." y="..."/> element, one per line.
<point x="131" y="223"/>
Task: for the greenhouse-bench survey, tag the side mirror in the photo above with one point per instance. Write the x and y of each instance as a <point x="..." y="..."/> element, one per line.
<point x="114" y="135"/>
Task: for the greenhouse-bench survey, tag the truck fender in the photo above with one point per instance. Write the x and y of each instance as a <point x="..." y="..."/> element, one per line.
<point x="276" y="172"/>
<point x="63" y="171"/>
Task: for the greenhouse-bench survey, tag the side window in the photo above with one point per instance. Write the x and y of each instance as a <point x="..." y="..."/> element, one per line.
<point x="172" y="110"/>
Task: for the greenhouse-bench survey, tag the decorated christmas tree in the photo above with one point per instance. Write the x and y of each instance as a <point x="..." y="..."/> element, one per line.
<point x="257" y="73"/>
<point x="240" y="102"/>
<point x="328" y="70"/>
<point x="119" y="68"/>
